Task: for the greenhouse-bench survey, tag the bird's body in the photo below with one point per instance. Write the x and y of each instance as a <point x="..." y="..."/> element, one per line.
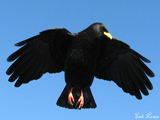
<point x="81" y="61"/>
<point x="90" y="53"/>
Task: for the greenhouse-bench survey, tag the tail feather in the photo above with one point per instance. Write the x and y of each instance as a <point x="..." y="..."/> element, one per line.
<point x="88" y="98"/>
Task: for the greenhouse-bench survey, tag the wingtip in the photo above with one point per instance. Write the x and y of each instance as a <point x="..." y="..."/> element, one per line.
<point x="8" y="72"/>
<point x="152" y="75"/>
<point x="20" y="43"/>
<point x="18" y="84"/>
<point x="139" y="97"/>
<point x="141" y="57"/>
<point x="24" y="41"/>
<point x="17" y="44"/>
<point x="10" y="58"/>
<point x="146" y="60"/>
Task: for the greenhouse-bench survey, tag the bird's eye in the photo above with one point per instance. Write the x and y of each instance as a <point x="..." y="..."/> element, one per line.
<point x="104" y="29"/>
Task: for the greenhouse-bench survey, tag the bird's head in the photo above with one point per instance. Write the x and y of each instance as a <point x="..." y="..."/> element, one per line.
<point x="100" y="30"/>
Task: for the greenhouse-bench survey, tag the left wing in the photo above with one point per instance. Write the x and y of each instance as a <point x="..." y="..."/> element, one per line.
<point x="119" y="63"/>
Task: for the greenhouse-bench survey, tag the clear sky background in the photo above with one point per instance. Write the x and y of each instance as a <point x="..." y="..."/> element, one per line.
<point x="136" y="22"/>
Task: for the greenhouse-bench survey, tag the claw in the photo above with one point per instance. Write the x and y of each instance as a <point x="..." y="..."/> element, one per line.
<point x="80" y="101"/>
<point x="70" y="97"/>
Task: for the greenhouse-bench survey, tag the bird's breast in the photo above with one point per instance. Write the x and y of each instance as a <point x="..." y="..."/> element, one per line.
<point x="80" y="67"/>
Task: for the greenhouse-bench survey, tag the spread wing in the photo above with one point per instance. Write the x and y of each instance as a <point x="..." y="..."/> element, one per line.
<point x="119" y="63"/>
<point x="43" y="53"/>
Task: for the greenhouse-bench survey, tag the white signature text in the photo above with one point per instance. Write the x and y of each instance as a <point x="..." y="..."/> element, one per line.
<point x="148" y="115"/>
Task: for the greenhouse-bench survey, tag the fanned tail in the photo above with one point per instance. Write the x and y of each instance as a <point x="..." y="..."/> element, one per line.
<point x="88" y="98"/>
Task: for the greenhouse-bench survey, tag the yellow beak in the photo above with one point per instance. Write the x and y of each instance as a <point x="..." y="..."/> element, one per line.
<point x="108" y="35"/>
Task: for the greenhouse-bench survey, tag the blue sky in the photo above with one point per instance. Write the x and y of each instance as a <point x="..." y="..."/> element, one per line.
<point x="136" y="22"/>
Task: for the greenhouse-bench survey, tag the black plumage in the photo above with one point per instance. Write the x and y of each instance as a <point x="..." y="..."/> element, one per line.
<point x="91" y="52"/>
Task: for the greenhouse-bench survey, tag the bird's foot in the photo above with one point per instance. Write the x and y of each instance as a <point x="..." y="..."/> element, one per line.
<point x="80" y="101"/>
<point x="70" y="97"/>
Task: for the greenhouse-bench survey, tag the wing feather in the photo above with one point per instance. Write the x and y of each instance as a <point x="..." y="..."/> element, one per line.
<point x="43" y="53"/>
<point x="125" y="67"/>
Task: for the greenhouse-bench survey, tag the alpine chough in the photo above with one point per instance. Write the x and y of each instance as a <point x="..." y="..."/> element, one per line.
<point x="91" y="52"/>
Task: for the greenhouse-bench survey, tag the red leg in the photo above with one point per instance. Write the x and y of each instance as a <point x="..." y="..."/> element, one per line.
<point x="70" y="97"/>
<point x="80" y="100"/>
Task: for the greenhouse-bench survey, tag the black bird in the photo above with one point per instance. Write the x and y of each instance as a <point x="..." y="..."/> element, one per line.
<point x="91" y="52"/>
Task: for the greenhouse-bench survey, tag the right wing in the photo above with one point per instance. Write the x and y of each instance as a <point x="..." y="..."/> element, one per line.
<point x="43" y="53"/>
